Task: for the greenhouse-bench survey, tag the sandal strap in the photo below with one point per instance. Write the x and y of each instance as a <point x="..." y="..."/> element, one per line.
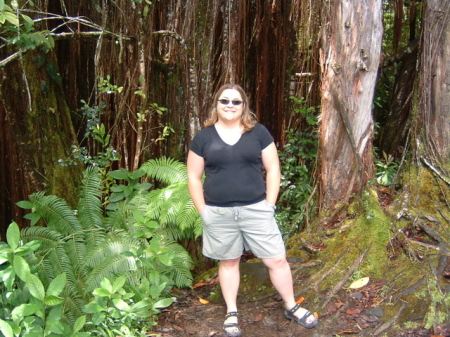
<point x="232" y="314"/>
<point x="294" y="309"/>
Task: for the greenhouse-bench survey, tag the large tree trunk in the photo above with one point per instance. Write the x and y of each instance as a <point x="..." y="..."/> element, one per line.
<point x="36" y="131"/>
<point x="434" y="89"/>
<point x="350" y="55"/>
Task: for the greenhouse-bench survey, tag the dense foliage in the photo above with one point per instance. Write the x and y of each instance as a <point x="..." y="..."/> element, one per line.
<point x="85" y="271"/>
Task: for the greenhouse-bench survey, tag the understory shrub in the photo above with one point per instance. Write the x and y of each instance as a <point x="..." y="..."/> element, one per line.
<point x="87" y="271"/>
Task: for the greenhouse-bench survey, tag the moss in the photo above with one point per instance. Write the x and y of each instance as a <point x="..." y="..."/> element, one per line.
<point x="371" y="229"/>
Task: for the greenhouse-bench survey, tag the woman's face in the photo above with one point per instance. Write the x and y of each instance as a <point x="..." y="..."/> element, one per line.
<point x="226" y="110"/>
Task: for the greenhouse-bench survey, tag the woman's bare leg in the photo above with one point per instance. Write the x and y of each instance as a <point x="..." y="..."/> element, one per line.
<point x="229" y="278"/>
<point x="281" y="277"/>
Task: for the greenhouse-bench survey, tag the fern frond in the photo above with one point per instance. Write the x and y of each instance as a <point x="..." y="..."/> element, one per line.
<point x="56" y="212"/>
<point x="181" y="273"/>
<point x="166" y="170"/>
<point x="172" y="207"/>
<point x="89" y="202"/>
<point x="115" y="265"/>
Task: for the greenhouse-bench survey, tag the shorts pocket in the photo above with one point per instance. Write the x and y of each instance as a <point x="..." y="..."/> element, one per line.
<point x="273" y="207"/>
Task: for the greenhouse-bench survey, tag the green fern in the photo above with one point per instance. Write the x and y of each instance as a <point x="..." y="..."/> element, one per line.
<point x="172" y="205"/>
<point x="166" y="170"/>
<point x="88" y="246"/>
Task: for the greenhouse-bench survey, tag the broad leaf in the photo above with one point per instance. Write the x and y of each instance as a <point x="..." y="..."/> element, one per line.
<point x="106" y="284"/>
<point x="164" y="303"/>
<point x="36" y="287"/>
<point x="121" y="304"/>
<point x="6" y="329"/>
<point x="102" y="292"/>
<point x="118" y="283"/>
<point x="359" y="283"/>
<point x="79" y="323"/>
<point x="24" y="204"/>
<point x="21" y="268"/>
<point x="52" y="300"/>
<point x="57" y="285"/>
<point x="24" y="310"/>
<point x="13" y="235"/>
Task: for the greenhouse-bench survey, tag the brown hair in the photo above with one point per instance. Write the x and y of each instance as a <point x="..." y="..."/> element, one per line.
<point x="248" y="120"/>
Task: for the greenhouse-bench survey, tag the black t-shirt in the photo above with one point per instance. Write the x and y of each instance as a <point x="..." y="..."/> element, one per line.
<point x="234" y="174"/>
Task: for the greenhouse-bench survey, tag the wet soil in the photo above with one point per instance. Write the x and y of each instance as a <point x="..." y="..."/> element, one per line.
<point x="348" y="314"/>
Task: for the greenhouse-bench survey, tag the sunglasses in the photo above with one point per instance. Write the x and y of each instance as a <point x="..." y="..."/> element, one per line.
<point x="235" y="102"/>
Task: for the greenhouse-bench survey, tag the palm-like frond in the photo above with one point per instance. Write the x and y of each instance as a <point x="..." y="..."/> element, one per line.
<point x="166" y="170"/>
<point x="182" y="263"/>
<point x="87" y="246"/>
<point x="89" y="202"/>
<point x="56" y="212"/>
<point x="173" y="208"/>
<point x="113" y="265"/>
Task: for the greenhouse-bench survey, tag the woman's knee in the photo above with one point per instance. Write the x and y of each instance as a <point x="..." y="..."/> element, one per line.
<point x="230" y="263"/>
<point x="277" y="262"/>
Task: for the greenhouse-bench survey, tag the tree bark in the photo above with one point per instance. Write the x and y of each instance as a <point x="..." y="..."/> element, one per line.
<point x="350" y="55"/>
<point x="434" y="88"/>
<point x="36" y="132"/>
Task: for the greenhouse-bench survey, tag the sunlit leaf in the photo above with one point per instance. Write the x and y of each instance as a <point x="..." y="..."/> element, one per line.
<point x="359" y="283"/>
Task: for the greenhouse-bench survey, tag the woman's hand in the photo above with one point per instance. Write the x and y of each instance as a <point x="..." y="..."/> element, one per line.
<point x="195" y="168"/>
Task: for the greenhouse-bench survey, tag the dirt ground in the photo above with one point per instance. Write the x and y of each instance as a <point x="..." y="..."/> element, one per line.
<point x="347" y="315"/>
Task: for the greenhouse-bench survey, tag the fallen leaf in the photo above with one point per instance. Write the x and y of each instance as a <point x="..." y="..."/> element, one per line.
<point x="347" y="332"/>
<point x="202" y="284"/>
<point x="299" y="300"/>
<point x="202" y="301"/>
<point x="354" y="311"/>
<point x="339" y="304"/>
<point x="258" y="318"/>
<point x="359" y="283"/>
<point x="316" y="315"/>
<point x="178" y="328"/>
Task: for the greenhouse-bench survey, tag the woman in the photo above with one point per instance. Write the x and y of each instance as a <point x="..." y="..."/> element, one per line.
<point x="236" y="203"/>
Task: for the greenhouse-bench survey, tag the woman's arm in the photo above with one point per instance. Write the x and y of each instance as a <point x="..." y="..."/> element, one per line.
<point x="271" y="164"/>
<point x="195" y="168"/>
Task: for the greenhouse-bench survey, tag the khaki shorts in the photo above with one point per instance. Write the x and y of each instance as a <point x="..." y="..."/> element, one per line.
<point x="228" y="231"/>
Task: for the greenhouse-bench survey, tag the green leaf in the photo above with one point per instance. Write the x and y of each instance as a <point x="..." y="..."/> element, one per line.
<point x="52" y="326"/>
<point x="24" y="204"/>
<point x="57" y="285"/>
<point x="6" y="329"/>
<point x="24" y="310"/>
<point x="36" y="287"/>
<point x="121" y="304"/>
<point x="27" y="19"/>
<point x="102" y="292"/>
<point x="163" y="303"/>
<point x="166" y="259"/>
<point x="13" y="235"/>
<point x="55" y="314"/>
<point x="21" y="268"/>
<point x="138" y="216"/>
<point x="79" y="323"/>
<point x="2" y="5"/>
<point x="33" y="217"/>
<point x="11" y="18"/>
<point x="106" y="284"/>
<point x="8" y="277"/>
<point x="118" y="283"/>
<point x="119" y="174"/>
<point x="52" y="300"/>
